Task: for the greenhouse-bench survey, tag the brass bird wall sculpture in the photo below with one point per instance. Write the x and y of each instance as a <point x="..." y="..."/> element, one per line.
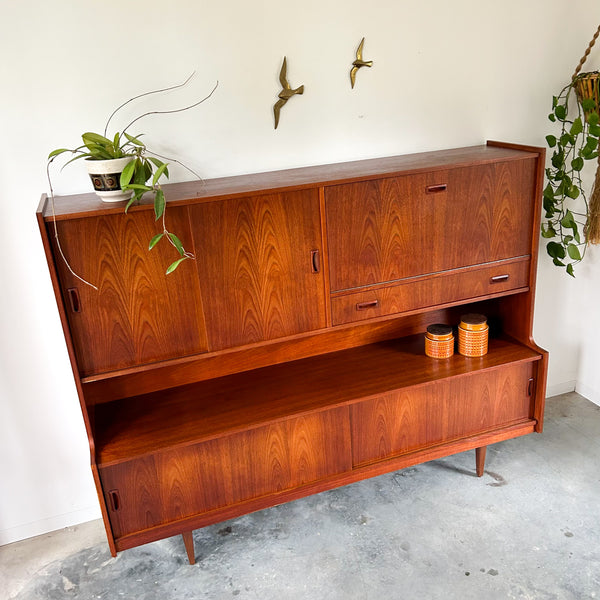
<point x="359" y="62"/>
<point x="286" y="93"/>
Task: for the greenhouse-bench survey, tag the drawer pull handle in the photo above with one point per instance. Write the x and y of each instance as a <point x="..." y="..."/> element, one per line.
<point x="499" y="278"/>
<point x="315" y="261"/>
<point x="434" y="189"/>
<point x="365" y="305"/>
<point x="115" y="501"/>
<point x="530" y="384"/>
<point x="73" y="294"/>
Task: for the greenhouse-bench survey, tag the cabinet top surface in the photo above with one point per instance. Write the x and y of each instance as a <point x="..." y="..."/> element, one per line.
<point x="87" y="205"/>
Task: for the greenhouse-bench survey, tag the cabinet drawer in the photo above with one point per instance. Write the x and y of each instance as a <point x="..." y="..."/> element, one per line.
<point x="415" y="418"/>
<point x="424" y="292"/>
<point x="178" y="483"/>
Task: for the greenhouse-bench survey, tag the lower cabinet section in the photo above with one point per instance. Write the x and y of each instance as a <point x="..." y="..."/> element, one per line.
<point x="177" y="483"/>
<point x="181" y="482"/>
<point x="407" y="420"/>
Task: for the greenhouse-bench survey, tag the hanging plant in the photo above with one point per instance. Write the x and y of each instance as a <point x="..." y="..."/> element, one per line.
<point x="571" y="221"/>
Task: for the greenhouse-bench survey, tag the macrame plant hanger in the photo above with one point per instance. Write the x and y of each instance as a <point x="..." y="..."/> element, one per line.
<point x="587" y="85"/>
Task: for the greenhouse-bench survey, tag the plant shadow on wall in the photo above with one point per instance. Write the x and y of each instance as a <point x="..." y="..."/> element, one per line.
<point x="571" y="221"/>
<point x="123" y="169"/>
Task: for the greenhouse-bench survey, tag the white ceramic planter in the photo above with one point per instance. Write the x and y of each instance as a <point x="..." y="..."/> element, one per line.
<point x="105" y="175"/>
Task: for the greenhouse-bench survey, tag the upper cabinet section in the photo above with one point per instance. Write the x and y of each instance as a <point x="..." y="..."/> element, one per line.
<point x="285" y="253"/>
<point x="259" y="263"/>
<point x="389" y="229"/>
<point x="139" y="314"/>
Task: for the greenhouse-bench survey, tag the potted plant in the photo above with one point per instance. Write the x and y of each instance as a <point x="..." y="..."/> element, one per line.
<point x="122" y="169"/>
<point x="571" y="221"/>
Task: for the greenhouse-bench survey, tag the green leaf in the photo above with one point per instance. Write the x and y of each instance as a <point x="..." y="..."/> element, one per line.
<point x="594" y="130"/>
<point x="549" y="207"/>
<point x="159" y="204"/>
<point x="147" y="170"/>
<point x="177" y="242"/>
<point x="158" y="173"/>
<point x="555" y="250"/>
<point x="570" y="270"/>
<point x="577" y="163"/>
<point x="554" y="101"/>
<point x="174" y="265"/>
<point x="566" y="139"/>
<point x="137" y="186"/>
<point x="561" y="112"/>
<point x="567" y="239"/>
<point x="57" y="152"/>
<point x="133" y="199"/>
<point x="573" y="192"/>
<point x="134" y="140"/>
<point x="155" y="240"/>
<point x="549" y="232"/>
<point x="558" y="159"/>
<point x="588" y="104"/>
<point x="158" y="164"/>
<point x="549" y="191"/>
<point x="558" y="262"/>
<point x="577" y="126"/>
<point x="593" y="118"/>
<point x="568" y="220"/>
<point x="95" y="138"/>
<point x="577" y="236"/>
<point x="552" y="117"/>
<point x="551" y="139"/>
<point x="127" y="173"/>
<point x="573" y="251"/>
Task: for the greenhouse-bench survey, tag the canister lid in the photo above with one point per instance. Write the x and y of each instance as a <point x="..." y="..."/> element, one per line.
<point x="439" y="331"/>
<point x="473" y="322"/>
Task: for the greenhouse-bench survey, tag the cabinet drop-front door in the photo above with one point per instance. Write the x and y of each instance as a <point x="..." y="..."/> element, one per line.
<point x="389" y="229"/>
<point x="260" y="267"/>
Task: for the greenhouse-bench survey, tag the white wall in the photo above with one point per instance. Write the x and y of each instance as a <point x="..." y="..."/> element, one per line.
<point x="446" y="74"/>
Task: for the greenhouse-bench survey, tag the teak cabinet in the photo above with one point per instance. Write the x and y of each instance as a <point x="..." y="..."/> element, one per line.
<point x="288" y="358"/>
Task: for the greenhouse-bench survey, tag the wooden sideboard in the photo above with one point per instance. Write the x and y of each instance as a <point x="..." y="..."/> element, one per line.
<point x="288" y="358"/>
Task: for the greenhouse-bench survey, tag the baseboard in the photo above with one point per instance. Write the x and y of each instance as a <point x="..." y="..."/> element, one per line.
<point x="588" y="392"/>
<point x="27" y="530"/>
<point x="561" y="388"/>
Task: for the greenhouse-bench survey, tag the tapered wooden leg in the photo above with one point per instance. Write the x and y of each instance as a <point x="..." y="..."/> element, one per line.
<point x="480" y="460"/>
<point x="188" y="540"/>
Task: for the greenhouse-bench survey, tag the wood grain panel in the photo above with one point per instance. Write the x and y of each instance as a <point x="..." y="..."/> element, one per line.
<point x="178" y="483"/>
<point x="407" y="420"/>
<point x="258" y="270"/>
<point x="389" y="229"/>
<point x="449" y="286"/>
<point x="139" y="314"/>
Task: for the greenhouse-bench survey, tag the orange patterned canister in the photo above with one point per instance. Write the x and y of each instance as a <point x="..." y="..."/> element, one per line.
<point x="439" y="341"/>
<point x="473" y="335"/>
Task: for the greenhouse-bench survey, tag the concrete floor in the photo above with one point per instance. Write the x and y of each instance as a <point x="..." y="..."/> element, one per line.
<point x="529" y="528"/>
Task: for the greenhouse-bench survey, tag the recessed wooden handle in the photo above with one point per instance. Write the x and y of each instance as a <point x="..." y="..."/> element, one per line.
<point x="434" y="189"/>
<point x="365" y="305"/>
<point x="499" y="278"/>
<point x="115" y="501"/>
<point x="315" y="260"/>
<point x="73" y="294"/>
